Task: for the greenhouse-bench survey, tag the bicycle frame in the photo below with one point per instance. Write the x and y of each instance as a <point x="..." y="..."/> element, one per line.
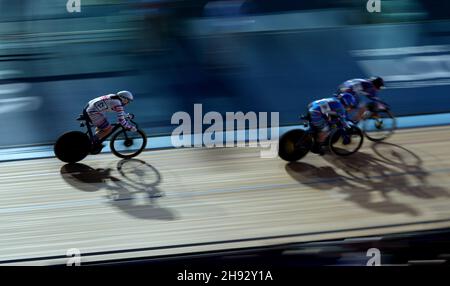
<point x="86" y="122"/>
<point x="336" y="125"/>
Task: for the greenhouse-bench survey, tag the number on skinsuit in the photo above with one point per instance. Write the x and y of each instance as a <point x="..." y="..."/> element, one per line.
<point x="324" y="106"/>
<point x="101" y="105"/>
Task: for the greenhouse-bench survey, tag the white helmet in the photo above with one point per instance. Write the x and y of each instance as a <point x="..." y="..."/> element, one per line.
<point x="125" y="95"/>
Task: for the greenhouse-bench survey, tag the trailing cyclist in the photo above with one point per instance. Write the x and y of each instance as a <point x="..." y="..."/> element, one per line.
<point x="323" y="113"/>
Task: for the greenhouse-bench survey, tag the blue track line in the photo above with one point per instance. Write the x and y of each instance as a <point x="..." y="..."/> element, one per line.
<point x="162" y="142"/>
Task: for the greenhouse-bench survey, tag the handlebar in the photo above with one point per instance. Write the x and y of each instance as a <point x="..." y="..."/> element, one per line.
<point x="386" y="106"/>
<point x="304" y="117"/>
<point x="130" y="117"/>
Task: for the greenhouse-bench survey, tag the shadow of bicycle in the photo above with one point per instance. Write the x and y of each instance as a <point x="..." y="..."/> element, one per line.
<point x="394" y="168"/>
<point x="132" y="187"/>
<point x="369" y="181"/>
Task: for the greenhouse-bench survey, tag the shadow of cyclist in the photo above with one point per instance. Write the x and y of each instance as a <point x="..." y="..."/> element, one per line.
<point x="395" y="169"/>
<point x="326" y="178"/>
<point x="140" y="198"/>
<point x="86" y="178"/>
<point x="323" y="178"/>
<point x="134" y="190"/>
<point x="411" y="164"/>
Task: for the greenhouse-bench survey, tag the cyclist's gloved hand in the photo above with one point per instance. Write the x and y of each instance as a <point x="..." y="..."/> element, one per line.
<point x="381" y="106"/>
<point x="130" y="115"/>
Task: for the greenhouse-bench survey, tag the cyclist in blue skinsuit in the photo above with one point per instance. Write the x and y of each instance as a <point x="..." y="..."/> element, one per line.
<point x="365" y="91"/>
<point x="324" y="112"/>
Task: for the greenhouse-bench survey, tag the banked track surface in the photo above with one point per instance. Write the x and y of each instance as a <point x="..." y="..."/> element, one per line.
<point x="189" y="200"/>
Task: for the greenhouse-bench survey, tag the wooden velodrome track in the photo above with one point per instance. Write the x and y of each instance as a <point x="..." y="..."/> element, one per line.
<point x="187" y="200"/>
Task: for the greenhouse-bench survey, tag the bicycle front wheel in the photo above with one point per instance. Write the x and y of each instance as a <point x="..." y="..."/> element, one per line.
<point x="379" y="126"/>
<point x="128" y="144"/>
<point x="344" y="143"/>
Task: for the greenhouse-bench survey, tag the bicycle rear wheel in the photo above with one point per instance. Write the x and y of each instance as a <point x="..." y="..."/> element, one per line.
<point x="294" y="145"/>
<point x="72" y="147"/>
<point x="345" y="143"/>
<point x="379" y="126"/>
<point x="128" y="144"/>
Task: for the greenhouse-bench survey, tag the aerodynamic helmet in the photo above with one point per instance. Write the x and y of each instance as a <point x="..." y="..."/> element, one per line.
<point x="377" y="81"/>
<point x="348" y="100"/>
<point x="125" y="95"/>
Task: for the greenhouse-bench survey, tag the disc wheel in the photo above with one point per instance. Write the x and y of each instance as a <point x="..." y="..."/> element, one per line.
<point x="294" y="145"/>
<point x="72" y="147"/>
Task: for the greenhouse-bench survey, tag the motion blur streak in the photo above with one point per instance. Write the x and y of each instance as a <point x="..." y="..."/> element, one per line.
<point x="272" y="56"/>
<point x="230" y="56"/>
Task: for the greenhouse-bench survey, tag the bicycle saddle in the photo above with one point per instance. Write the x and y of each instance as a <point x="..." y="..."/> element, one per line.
<point x="305" y="117"/>
<point x="81" y="117"/>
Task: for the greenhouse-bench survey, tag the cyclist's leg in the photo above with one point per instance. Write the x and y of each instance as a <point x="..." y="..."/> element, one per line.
<point x="359" y="112"/>
<point x="321" y="128"/>
<point x="88" y="121"/>
<point x="103" y="128"/>
<point x="365" y="108"/>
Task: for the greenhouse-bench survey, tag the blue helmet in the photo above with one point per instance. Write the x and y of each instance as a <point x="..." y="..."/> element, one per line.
<point x="348" y="100"/>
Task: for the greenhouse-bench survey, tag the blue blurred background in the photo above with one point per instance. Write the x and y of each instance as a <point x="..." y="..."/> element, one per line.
<point x="235" y="55"/>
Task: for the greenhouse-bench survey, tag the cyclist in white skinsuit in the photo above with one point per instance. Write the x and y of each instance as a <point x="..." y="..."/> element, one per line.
<point x="109" y="103"/>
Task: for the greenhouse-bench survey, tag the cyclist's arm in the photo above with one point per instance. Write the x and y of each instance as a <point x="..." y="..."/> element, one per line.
<point x="344" y="116"/>
<point x="371" y="92"/>
<point x="375" y="104"/>
<point x="121" y="117"/>
<point x="372" y="100"/>
<point x="374" y="97"/>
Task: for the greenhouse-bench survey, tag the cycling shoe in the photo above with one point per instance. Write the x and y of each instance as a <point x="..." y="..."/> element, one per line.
<point x="317" y="149"/>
